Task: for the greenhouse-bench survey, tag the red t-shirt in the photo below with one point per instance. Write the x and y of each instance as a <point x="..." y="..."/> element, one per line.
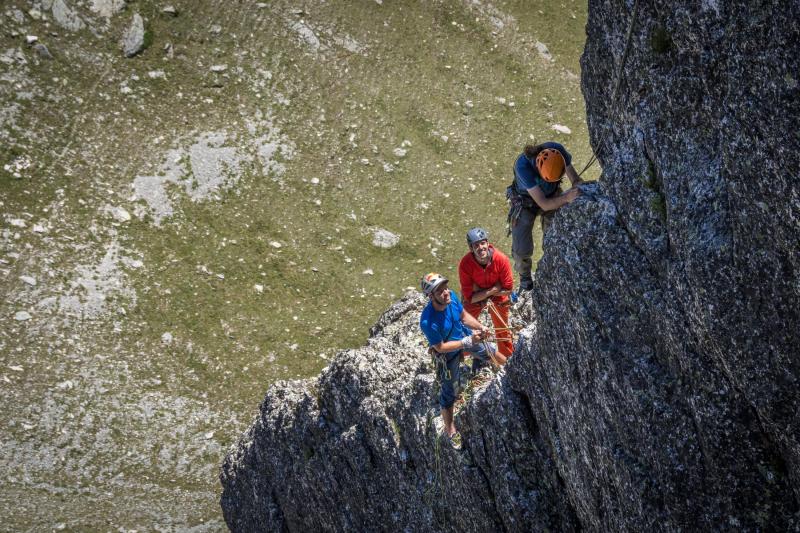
<point x="471" y="274"/>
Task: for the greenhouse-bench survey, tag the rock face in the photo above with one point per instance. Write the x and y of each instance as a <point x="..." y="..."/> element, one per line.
<point x="656" y="387"/>
<point x="357" y="449"/>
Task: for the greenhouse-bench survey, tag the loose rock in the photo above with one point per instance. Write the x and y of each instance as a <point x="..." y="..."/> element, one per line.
<point x="120" y="214"/>
<point x="107" y="8"/>
<point x="42" y="51"/>
<point x="384" y="238"/>
<point x="66" y="17"/>
<point x="543" y="51"/>
<point x="133" y="38"/>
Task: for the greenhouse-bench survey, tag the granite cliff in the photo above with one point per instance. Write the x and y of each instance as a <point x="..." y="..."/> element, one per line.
<point x="655" y="386"/>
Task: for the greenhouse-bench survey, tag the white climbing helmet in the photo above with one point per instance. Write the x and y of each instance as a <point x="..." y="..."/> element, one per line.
<point x="430" y="282"/>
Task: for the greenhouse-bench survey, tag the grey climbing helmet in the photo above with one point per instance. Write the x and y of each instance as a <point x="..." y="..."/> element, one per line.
<point x="476" y="235"/>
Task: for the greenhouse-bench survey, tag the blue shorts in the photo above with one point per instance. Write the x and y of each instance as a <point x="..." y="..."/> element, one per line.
<point x="450" y="373"/>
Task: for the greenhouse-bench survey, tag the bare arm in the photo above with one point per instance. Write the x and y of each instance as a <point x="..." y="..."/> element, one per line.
<point x="473" y="323"/>
<point x="449" y="346"/>
<point x="554" y="202"/>
<point x="574" y="179"/>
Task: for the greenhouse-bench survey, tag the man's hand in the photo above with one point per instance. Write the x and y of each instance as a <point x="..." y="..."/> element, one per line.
<point x="480" y="334"/>
<point x="572" y="194"/>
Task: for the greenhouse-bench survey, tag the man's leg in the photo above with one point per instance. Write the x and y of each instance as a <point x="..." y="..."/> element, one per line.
<point x="450" y="371"/>
<point x="522" y="247"/>
<point x="447" y="416"/>
<point x="499" y="314"/>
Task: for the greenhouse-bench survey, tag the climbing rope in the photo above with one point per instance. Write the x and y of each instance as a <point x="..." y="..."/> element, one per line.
<point x="491" y="308"/>
<point x="617" y="84"/>
<point x="492" y="356"/>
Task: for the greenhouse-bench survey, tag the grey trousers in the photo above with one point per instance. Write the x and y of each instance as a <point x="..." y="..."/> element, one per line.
<point x="522" y="239"/>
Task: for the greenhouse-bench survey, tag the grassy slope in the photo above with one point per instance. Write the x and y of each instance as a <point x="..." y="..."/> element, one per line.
<point x="156" y="404"/>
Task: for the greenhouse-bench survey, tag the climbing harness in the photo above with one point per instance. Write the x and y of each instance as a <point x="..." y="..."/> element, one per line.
<point x="517" y="202"/>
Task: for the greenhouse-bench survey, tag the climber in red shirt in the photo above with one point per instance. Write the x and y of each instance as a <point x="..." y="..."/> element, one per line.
<point x="485" y="275"/>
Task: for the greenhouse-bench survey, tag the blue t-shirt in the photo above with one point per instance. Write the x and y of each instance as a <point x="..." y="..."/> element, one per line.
<point x="527" y="175"/>
<point x="443" y="326"/>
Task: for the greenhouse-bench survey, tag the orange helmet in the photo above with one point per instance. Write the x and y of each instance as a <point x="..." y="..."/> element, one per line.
<point x="551" y="165"/>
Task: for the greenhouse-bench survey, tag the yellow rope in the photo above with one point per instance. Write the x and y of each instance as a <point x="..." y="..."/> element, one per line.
<point x="490" y="306"/>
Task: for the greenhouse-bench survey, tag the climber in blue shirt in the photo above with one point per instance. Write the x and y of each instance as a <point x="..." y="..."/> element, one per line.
<point x="447" y="327"/>
<point x="537" y="174"/>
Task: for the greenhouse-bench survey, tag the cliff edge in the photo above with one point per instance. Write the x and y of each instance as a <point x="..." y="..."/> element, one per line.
<point x="656" y="385"/>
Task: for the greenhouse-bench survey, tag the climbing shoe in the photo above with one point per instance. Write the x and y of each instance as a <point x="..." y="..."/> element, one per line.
<point x="525" y="284"/>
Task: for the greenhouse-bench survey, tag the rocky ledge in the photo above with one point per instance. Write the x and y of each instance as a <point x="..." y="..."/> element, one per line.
<point x="656" y="385"/>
